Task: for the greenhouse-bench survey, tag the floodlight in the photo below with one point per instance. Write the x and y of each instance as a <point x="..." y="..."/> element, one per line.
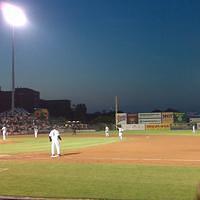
<point x="13" y="15"/>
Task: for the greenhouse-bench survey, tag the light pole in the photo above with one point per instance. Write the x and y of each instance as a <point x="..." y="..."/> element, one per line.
<point x="116" y="110"/>
<point x="15" y="17"/>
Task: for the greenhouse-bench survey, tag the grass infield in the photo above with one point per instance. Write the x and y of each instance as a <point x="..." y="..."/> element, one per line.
<point x="94" y="181"/>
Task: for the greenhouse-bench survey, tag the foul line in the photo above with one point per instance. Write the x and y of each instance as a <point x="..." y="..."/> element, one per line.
<point x="139" y="159"/>
<point x="116" y="159"/>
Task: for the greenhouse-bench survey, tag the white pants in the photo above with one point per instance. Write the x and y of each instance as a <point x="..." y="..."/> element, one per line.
<point x="4" y="135"/>
<point x="107" y="133"/>
<point x="54" y="144"/>
<point x="36" y="132"/>
<point x="120" y="136"/>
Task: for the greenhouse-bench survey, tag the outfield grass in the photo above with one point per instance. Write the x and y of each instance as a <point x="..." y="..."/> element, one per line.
<point x="27" y="144"/>
<point x="99" y="181"/>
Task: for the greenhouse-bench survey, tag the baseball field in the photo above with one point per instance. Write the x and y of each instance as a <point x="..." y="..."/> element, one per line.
<point x="153" y="165"/>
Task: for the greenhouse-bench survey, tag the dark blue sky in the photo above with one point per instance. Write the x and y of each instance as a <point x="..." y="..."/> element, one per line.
<point x="147" y="52"/>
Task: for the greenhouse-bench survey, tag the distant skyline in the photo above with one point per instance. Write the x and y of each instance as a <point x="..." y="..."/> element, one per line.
<point x="89" y="51"/>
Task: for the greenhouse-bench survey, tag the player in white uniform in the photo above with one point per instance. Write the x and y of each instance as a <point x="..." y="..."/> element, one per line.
<point x="35" y="131"/>
<point x="54" y="137"/>
<point x="106" y="131"/>
<point x="193" y="129"/>
<point x="120" y="132"/>
<point x="4" y="131"/>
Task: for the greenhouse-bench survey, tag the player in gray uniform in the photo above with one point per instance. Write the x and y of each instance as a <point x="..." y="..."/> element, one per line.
<point x="54" y="137"/>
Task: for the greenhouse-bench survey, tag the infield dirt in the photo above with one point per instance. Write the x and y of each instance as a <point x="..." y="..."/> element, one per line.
<point x="141" y="149"/>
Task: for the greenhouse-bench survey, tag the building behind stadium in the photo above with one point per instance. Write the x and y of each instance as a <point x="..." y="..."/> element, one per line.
<point x="29" y="100"/>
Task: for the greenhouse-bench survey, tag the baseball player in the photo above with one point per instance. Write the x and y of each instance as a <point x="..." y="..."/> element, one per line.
<point x="120" y="132"/>
<point x="54" y="137"/>
<point x="193" y="129"/>
<point x="4" y="131"/>
<point x="35" y="131"/>
<point x="106" y="131"/>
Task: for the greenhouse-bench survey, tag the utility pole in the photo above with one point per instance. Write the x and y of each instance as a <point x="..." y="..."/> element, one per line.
<point x="116" y="110"/>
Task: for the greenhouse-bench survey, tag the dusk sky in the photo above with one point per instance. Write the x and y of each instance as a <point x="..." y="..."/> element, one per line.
<point x="146" y="52"/>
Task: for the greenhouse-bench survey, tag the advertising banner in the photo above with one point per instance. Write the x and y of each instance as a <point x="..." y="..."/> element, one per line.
<point x="181" y="126"/>
<point x="132" y="118"/>
<point x="167" y="118"/>
<point x="149" y="121"/>
<point x="194" y="120"/>
<point x="41" y="113"/>
<point x="157" y="126"/>
<point x="121" y="118"/>
<point x="149" y="115"/>
<point x="198" y="126"/>
<point x="134" y="127"/>
<point x="180" y="118"/>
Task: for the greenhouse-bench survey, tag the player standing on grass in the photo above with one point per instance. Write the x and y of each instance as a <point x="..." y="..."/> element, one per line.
<point x="107" y="131"/>
<point x="54" y="137"/>
<point x="193" y="129"/>
<point x="4" y="131"/>
<point x="120" y="132"/>
<point x="35" y="131"/>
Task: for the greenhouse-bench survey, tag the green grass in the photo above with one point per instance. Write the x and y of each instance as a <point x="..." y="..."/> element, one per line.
<point x="100" y="181"/>
<point x="27" y="144"/>
<point x="55" y="179"/>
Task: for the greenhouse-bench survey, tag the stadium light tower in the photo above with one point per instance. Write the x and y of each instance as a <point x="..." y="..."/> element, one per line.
<point x="116" y="110"/>
<point x="15" y="17"/>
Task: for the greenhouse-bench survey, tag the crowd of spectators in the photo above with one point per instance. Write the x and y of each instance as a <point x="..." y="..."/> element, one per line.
<point x="22" y="122"/>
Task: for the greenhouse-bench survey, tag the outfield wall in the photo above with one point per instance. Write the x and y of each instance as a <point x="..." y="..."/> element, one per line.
<point x="158" y="120"/>
<point x="154" y="121"/>
<point x="142" y="127"/>
<point x="157" y="126"/>
<point x="134" y="127"/>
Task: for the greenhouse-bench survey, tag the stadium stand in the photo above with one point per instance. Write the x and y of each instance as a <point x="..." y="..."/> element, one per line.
<point x="22" y="122"/>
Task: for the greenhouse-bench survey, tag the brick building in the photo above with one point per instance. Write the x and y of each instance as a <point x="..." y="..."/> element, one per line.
<point x="57" y="108"/>
<point x="30" y="100"/>
<point x="24" y="98"/>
